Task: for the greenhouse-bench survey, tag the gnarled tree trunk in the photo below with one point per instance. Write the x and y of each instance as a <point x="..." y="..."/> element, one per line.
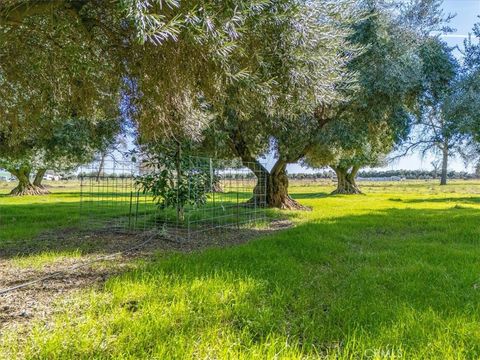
<point x="346" y="180"/>
<point x="25" y="187"/>
<point x="260" y="191"/>
<point x="39" y="177"/>
<point x="271" y="189"/>
<point x="277" y="191"/>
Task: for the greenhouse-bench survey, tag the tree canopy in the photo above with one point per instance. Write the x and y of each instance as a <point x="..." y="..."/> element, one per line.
<point x="375" y="114"/>
<point x="304" y="64"/>
<point x="464" y="102"/>
<point x="328" y="82"/>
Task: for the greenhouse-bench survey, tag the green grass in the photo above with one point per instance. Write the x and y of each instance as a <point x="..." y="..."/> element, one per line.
<point x="38" y="261"/>
<point x="25" y="217"/>
<point x="392" y="274"/>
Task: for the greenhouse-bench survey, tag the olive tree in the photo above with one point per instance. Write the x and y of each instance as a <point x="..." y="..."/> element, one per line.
<point x="79" y="59"/>
<point x="66" y="146"/>
<point x="301" y="69"/>
<point x="463" y="105"/>
<point x="346" y="156"/>
<point x="371" y="82"/>
<point x="60" y="86"/>
<point x="270" y="73"/>
<point x="435" y="130"/>
<point x="390" y="74"/>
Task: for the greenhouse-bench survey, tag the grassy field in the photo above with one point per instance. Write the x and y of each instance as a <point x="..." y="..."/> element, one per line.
<point x="391" y="274"/>
<point x="101" y="205"/>
<point x="61" y="208"/>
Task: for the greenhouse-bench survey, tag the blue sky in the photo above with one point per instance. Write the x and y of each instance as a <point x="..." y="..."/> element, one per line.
<point x="467" y="12"/>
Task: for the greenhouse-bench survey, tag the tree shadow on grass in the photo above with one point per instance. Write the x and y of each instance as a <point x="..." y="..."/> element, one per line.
<point x="396" y="278"/>
<point x="388" y="280"/>
<point x="36" y="227"/>
<point x="103" y="227"/>
<point x="310" y="195"/>
<point x="468" y="200"/>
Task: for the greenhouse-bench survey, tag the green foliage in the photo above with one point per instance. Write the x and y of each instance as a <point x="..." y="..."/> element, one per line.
<point x="173" y="180"/>
<point x="374" y="54"/>
<point x="54" y="67"/>
<point x="60" y="82"/>
<point x="255" y="69"/>
<point x="178" y="57"/>
<point x="62" y="146"/>
<point x="464" y="102"/>
<point x="301" y="65"/>
<point x="472" y="51"/>
<point x="436" y="129"/>
<point x="439" y="68"/>
<point x="378" y="114"/>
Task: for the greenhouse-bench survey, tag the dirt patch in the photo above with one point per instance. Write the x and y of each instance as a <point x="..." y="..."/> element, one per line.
<point x="103" y="254"/>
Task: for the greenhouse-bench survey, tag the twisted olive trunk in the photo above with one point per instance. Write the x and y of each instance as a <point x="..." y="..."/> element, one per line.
<point x="39" y="177"/>
<point x="260" y="191"/>
<point x="24" y="186"/>
<point x="346" y="180"/>
<point x="277" y="192"/>
<point x="271" y="189"/>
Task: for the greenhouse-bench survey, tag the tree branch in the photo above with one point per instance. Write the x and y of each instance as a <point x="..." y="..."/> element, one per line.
<point x="413" y="146"/>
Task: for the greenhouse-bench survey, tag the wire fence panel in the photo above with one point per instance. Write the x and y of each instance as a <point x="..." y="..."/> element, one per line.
<point x="107" y="191"/>
<point x="112" y="197"/>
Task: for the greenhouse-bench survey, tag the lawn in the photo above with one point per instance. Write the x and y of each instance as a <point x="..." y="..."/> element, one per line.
<point x="391" y="274"/>
<point x="68" y="207"/>
<point x="21" y="218"/>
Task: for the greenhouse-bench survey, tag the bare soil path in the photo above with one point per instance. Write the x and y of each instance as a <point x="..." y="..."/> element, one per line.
<point x="103" y="255"/>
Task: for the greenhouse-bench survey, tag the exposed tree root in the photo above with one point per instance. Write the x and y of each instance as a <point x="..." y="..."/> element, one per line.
<point x="286" y="203"/>
<point x="29" y="190"/>
<point x="350" y="190"/>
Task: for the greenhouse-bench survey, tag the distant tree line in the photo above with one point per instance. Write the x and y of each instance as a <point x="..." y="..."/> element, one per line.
<point x="417" y="174"/>
<point x="402" y="174"/>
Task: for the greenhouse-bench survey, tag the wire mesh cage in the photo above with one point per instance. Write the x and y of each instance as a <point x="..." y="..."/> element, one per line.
<point x="205" y="195"/>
